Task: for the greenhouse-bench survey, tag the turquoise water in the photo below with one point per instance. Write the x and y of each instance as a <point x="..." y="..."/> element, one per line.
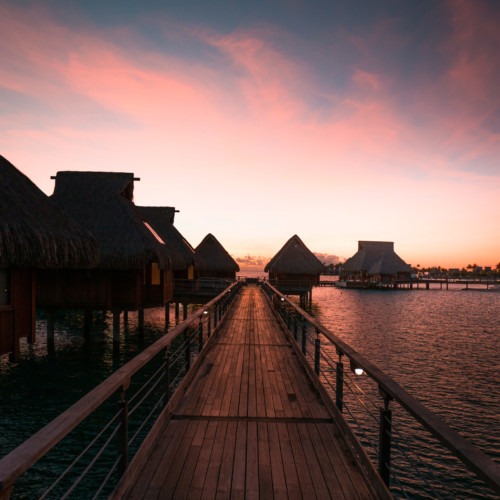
<point x="442" y="346"/>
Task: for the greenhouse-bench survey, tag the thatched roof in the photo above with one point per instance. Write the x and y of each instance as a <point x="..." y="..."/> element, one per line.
<point x="212" y="256"/>
<point x="161" y="220"/>
<point x="103" y="203"/>
<point x="376" y="257"/>
<point x="34" y="232"/>
<point x="295" y="258"/>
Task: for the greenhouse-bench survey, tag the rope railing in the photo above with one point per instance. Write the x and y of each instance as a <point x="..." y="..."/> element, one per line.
<point x="372" y="397"/>
<point x="143" y="386"/>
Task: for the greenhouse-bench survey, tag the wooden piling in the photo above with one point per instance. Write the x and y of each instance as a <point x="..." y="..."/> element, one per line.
<point x="116" y="327"/>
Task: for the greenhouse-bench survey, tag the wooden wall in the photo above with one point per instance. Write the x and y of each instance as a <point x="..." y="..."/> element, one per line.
<point x="103" y="289"/>
<point x="17" y="319"/>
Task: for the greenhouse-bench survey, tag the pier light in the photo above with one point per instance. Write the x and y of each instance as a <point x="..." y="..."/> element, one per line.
<point x="356" y="368"/>
<point x="205" y="312"/>
<point x="282" y="299"/>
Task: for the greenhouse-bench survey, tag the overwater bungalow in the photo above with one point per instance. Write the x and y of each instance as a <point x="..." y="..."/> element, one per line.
<point x="182" y="254"/>
<point x="213" y="260"/>
<point x="35" y="237"/>
<point x="295" y="269"/>
<point x="134" y="271"/>
<point x="375" y="263"/>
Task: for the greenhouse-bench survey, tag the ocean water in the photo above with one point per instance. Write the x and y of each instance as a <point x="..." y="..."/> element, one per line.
<point x="46" y="382"/>
<point x="443" y="346"/>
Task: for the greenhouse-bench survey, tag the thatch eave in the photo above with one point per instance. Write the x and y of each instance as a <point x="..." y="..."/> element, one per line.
<point x="212" y="256"/>
<point x="102" y="202"/>
<point x="161" y="219"/>
<point x="34" y="232"/>
<point x="295" y="258"/>
<point x="376" y="258"/>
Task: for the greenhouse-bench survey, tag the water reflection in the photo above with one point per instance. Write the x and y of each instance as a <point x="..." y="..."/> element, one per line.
<point x="442" y="346"/>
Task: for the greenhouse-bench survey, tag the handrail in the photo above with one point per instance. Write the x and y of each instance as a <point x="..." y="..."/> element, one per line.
<point x="18" y="461"/>
<point x="469" y="454"/>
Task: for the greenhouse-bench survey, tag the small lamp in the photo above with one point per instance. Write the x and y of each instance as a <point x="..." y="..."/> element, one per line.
<point x="356" y="368"/>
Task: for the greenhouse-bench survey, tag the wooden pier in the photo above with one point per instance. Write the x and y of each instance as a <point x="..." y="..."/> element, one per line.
<point x="250" y="425"/>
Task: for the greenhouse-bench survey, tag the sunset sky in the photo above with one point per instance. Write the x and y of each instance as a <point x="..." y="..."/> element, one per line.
<point x="338" y="121"/>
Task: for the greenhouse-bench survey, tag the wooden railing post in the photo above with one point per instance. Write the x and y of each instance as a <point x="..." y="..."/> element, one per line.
<point x="167" y="375"/>
<point x="123" y="432"/>
<point x="317" y="354"/>
<point x="200" y="334"/>
<point x="385" y="435"/>
<point x="304" y="338"/>
<point x="187" y="336"/>
<point x="339" y="384"/>
<point x="295" y="326"/>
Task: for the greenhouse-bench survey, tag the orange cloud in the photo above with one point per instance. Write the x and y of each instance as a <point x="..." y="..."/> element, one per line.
<point x="233" y="140"/>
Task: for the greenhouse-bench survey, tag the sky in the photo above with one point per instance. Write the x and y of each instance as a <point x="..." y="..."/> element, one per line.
<point x="337" y="121"/>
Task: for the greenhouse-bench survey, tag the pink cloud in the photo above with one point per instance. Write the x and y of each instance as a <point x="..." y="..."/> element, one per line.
<point x="367" y="79"/>
<point x="464" y="99"/>
<point x="219" y="134"/>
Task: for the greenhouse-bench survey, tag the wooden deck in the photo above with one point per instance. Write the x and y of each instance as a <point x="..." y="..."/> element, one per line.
<point x="250" y="425"/>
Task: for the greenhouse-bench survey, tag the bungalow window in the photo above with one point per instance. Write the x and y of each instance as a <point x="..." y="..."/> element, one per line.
<point x="5" y="286"/>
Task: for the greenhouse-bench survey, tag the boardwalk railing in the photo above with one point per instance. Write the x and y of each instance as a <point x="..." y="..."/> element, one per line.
<point x="382" y="422"/>
<point x="200" y="285"/>
<point x="128" y="402"/>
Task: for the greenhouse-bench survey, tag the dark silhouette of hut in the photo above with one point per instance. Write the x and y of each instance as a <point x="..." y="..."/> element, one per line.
<point x="34" y="235"/>
<point x="181" y="253"/>
<point x="375" y="262"/>
<point x="213" y="261"/>
<point x="134" y="270"/>
<point x="295" y="269"/>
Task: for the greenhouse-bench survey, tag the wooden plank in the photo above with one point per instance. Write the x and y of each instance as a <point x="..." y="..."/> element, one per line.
<point x="239" y="462"/>
<point x="186" y="476"/>
<point x="214" y="466"/>
<point x="153" y="470"/>
<point x="278" y="473"/>
<point x="268" y="409"/>
<point x="252" y="462"/>
<point x="235" y="393"/>
<point x="287" y="458"/>
<point x="346" y="469"/>
<point x="302" y="465"/>
<point x="199" y="390"/>
<point x="265" y="471"/>
<point x="229" y="385"/>
<point x="174" y="467"/>
<point x="226" y="467"/>
<point x="252" y="382"/>
<point x="260" y="400"/>
<point x="280" y="375"/>
<point x="201" y="469"/>
<point x="243" y="393"/>
<point x="219" y="377"/>
<point x="329" y="470"/>
<point x="317" y="474"/>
